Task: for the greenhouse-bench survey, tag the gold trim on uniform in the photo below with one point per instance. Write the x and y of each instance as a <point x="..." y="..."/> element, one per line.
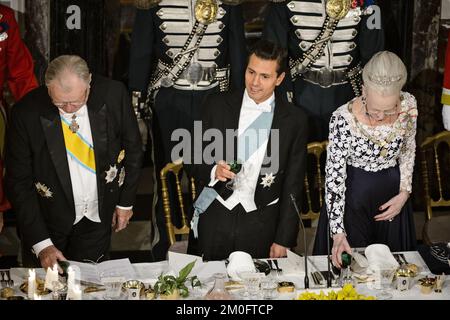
<point x="338" y="9"/>
<point x="146" y="4"/>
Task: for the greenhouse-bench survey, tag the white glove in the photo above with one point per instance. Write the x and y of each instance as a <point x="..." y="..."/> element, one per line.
<point x="446" y="116"/>
<point x="144" y="133"/>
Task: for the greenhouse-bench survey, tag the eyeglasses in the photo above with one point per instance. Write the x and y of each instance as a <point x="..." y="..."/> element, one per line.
<point x="75" y="104"/>
<point x="378" y="114"/>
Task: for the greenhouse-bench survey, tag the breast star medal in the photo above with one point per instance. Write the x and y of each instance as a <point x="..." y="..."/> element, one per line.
<point x="268" y="180"/>
<point x="43" y="190"/>
<point x="111" y="174"/>
<point x="74" y="125"/>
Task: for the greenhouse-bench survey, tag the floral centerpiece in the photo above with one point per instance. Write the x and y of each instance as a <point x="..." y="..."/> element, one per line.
<point x="170" y="287"/>
<point x="348" y="292"/>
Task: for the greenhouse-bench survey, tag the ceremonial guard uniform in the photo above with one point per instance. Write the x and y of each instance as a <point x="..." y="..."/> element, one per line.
<point x="328" y="43"/>
<point x="181" y="51"/>
<point x="16" y="69"/>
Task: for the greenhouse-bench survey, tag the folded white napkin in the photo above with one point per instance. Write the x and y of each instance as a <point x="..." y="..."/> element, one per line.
<point x="294" y="264"/>
<point x="379" y="257"/>
<point x="239" y="261"/>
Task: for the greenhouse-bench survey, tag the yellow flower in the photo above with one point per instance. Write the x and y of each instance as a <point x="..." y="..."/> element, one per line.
<point x="348" y="292"/>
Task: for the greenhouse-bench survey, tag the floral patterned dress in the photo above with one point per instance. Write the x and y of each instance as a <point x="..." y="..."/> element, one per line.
<point x="366" y="167"/>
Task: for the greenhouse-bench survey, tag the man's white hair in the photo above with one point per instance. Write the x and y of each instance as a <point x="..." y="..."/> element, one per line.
<point x="64" y="64"/>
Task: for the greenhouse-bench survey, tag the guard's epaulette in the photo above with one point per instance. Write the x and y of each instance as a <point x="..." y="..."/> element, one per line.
<point x="146" y="4"/>
<point x="232" y="2"/>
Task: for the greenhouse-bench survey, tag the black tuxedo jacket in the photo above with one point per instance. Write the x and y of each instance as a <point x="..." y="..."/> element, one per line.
<point x="36" y="153"/>
<point x="221" y="111"/>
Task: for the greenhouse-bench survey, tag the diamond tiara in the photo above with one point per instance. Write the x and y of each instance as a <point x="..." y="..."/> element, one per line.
<point x="384" y="80"/>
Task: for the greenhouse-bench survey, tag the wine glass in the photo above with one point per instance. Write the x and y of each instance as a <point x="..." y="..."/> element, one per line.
<point x="238" y="169"/>
<point x="251" y="281"/>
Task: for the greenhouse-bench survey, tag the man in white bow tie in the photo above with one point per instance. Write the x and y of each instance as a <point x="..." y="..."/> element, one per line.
<point x="73" y="163"/>
<point x="255" y="213"/>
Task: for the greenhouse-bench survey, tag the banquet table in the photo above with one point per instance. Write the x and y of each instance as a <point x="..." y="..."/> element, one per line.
<point x="149" y="272"/>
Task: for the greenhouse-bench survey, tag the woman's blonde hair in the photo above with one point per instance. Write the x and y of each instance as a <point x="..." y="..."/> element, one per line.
<point x="385" y="73"/>
<point x="67" y="63"/>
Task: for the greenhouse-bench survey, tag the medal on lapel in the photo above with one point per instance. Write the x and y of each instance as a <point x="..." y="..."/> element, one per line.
<point x="74" y="125"/>
<point x="268" y="180"/>
<point x="43" y="190"/>
<point x="111" y="174"/>
<point x="121" y="156"/>
<point x="121" y="177"/>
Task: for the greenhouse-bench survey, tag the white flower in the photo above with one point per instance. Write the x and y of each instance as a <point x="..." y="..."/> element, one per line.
<point x="268" y="180"/>
<point x="111" y="174"/>
<point x="43" y="190"/>
<point x="121" y="177"/>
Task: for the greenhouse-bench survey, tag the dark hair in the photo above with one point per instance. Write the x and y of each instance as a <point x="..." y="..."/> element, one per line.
<point x="268" y="50"/>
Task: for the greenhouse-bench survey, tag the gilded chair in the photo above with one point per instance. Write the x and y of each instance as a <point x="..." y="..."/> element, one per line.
<point x="173" y="231"/>
<point x="435" y="171"/>
<point x="313" y="193"/>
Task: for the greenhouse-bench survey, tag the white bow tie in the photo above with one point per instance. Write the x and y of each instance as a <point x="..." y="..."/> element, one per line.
<point x="261" y="108"/>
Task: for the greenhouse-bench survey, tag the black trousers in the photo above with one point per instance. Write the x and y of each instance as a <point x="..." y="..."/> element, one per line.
<point x="222" y="231"/>
<point x="173" y="109"/>
<point x="88" y="241"/>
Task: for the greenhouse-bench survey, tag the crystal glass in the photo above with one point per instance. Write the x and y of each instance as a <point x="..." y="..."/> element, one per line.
<point x="237" y="168"/>
<point x="113" y="285"/>
<point x="386" y="275"/>
<point x="269" y="288"/>
<point x="59" y="291"/>
<point x="218" y="291"/>
<point x="251" y="282"/>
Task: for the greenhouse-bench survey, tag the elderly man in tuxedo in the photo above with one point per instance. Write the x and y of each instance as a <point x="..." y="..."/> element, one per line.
<point x="73" y="162"/>
<point x="256" y="215"/>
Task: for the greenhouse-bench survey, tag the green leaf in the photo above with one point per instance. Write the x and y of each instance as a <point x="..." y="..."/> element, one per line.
<point x="195" y="282"/>
<point x="185" y="272"/>
<point x="184" y="292"/>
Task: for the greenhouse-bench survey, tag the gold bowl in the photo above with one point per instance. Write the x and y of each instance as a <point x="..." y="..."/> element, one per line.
<point x="7" y="292"/>
<point x="407" y="270"/>
<point x="134" y="284"/>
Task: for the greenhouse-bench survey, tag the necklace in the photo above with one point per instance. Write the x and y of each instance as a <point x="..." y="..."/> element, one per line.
<point x="382" y="143"/>
<point x="73" y="124"/>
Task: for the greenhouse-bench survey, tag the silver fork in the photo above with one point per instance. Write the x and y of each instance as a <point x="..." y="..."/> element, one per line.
<point x="278" y="268"/>
<point x="9" y="280"/>
<point x="314" y="277"/>
<point x="270" y="262"/>
<point x="2" y="281"/>
<point x="403" y="258"/>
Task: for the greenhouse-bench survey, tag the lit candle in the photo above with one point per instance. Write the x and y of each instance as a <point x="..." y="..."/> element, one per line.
<point x="31" y="283"/>
<point x="70" y="279"/>
<point x="75" y="293"/>
<point x="51" y="276"/>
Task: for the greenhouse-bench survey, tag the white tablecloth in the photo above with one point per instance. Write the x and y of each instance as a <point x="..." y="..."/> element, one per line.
<point x="149" y="272"/>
